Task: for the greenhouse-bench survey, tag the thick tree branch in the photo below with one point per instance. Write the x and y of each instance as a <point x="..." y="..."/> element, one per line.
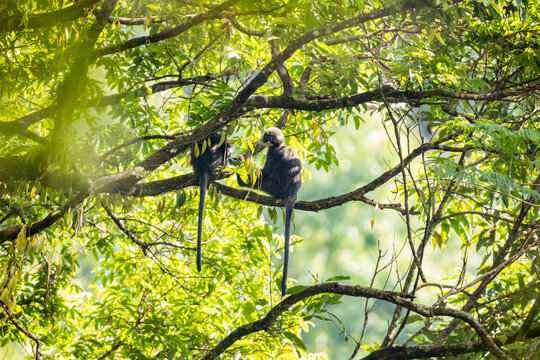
<point x="392" y="96"/>
<point x="137" y="21"/>
<point x="403" y="352"/>
<point x="33" y="167"/>
<point x="278" y="102"/>
<point x="20" y="129"/>
<point x="318" y="205"/>
<point x="354" y="291"/>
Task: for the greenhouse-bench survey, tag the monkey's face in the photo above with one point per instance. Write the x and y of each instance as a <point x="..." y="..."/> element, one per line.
<point x="268" y="140"/>
<point x="272" y="137"/>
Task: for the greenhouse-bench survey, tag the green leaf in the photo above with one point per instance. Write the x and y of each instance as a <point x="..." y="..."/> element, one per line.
<point x="296" y="340"/>
<point x="180" y="199"/>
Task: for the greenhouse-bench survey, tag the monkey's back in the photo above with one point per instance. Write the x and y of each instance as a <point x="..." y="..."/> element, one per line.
<point x="211" y="158"/>
<point x="282" y="172"/>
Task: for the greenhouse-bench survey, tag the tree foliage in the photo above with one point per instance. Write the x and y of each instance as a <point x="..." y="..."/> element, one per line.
<point x="101" y="99"/>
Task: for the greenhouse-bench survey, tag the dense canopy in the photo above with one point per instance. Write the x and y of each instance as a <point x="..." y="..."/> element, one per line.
<point x="100" y="101"/>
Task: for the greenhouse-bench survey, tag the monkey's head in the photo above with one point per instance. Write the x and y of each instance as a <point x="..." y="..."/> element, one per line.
<point x="273" y="137"/>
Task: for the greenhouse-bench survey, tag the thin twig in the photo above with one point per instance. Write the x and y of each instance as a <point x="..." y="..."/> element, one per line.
<point x="11" y="317"/>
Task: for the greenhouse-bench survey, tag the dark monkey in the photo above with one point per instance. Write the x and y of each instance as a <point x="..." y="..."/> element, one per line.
<point x="204" y="165"/>
<point x="281" y="177"/>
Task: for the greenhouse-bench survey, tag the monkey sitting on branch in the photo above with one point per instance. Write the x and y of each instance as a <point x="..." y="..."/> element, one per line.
<point x="206" y="156"/>
<point x="281" y="177"/>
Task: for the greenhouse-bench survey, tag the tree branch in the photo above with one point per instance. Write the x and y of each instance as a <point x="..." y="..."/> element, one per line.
<point x="10" y="233"/>
<point x="277" y="102"/>
<point x="529" y="320"/>
<point x="497" y="262"/>
<point x="244" y="29"/>
<point x="403" y="352"/>
<point x="392" y="95"/>
<point x="355" y="291"/>
<point x="22" y="329"/>
<point x="136" y="140"/>
<point x="174" y="184"/>
<point x="129" y="234"/>
<point x="136" y="21"/>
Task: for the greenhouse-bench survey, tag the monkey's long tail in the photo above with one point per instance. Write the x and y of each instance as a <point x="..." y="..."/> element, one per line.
<point x="203" y="183"/>
<point x="289" y="206"/>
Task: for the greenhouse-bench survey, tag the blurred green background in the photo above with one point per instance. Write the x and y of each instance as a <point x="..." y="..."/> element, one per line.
<point x="340" y="241"/>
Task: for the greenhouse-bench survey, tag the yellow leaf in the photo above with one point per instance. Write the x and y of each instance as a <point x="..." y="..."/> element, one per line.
<point x="205" y="144"/>
<point x="12" y="284"/>
<point x="438" y="36"/>
<point x="69" y="222"/>
<point x="437" y="240"/>
<point x="372" y="223"/>
<point x="32" y="192"/>
<point x="313" y="125"/>
<point x="41" y="243"/>
<point x="34" y="240"/>
<point x="307" y="173"/>
<point x="222" y="139"/>
<point x="147" y="20"/>
<point x="23" y="231"/>
<point x="11" y="305"/>
<point x="4" y="295"/>
<point x="21" y="238"/>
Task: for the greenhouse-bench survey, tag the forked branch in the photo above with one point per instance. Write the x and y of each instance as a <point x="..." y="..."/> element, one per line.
<point x="396" y="298"/>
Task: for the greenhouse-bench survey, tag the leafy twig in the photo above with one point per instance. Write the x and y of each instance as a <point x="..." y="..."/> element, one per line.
<point x="11" y="317"/>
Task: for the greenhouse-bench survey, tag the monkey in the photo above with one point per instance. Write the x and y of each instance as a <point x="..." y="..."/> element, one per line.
<point x="214" y="155"/>
<point x="281" y="177"/>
